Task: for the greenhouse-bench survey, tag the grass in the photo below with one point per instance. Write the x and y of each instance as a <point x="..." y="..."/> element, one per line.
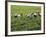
<point x="23" y="23"/>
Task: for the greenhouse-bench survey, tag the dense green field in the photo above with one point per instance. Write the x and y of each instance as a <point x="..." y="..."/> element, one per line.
<point x="23" y="23"/>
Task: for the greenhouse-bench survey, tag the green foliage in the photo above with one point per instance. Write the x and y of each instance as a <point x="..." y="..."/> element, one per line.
<point x="22" y="23"/>
<point x="25" y="9"/>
